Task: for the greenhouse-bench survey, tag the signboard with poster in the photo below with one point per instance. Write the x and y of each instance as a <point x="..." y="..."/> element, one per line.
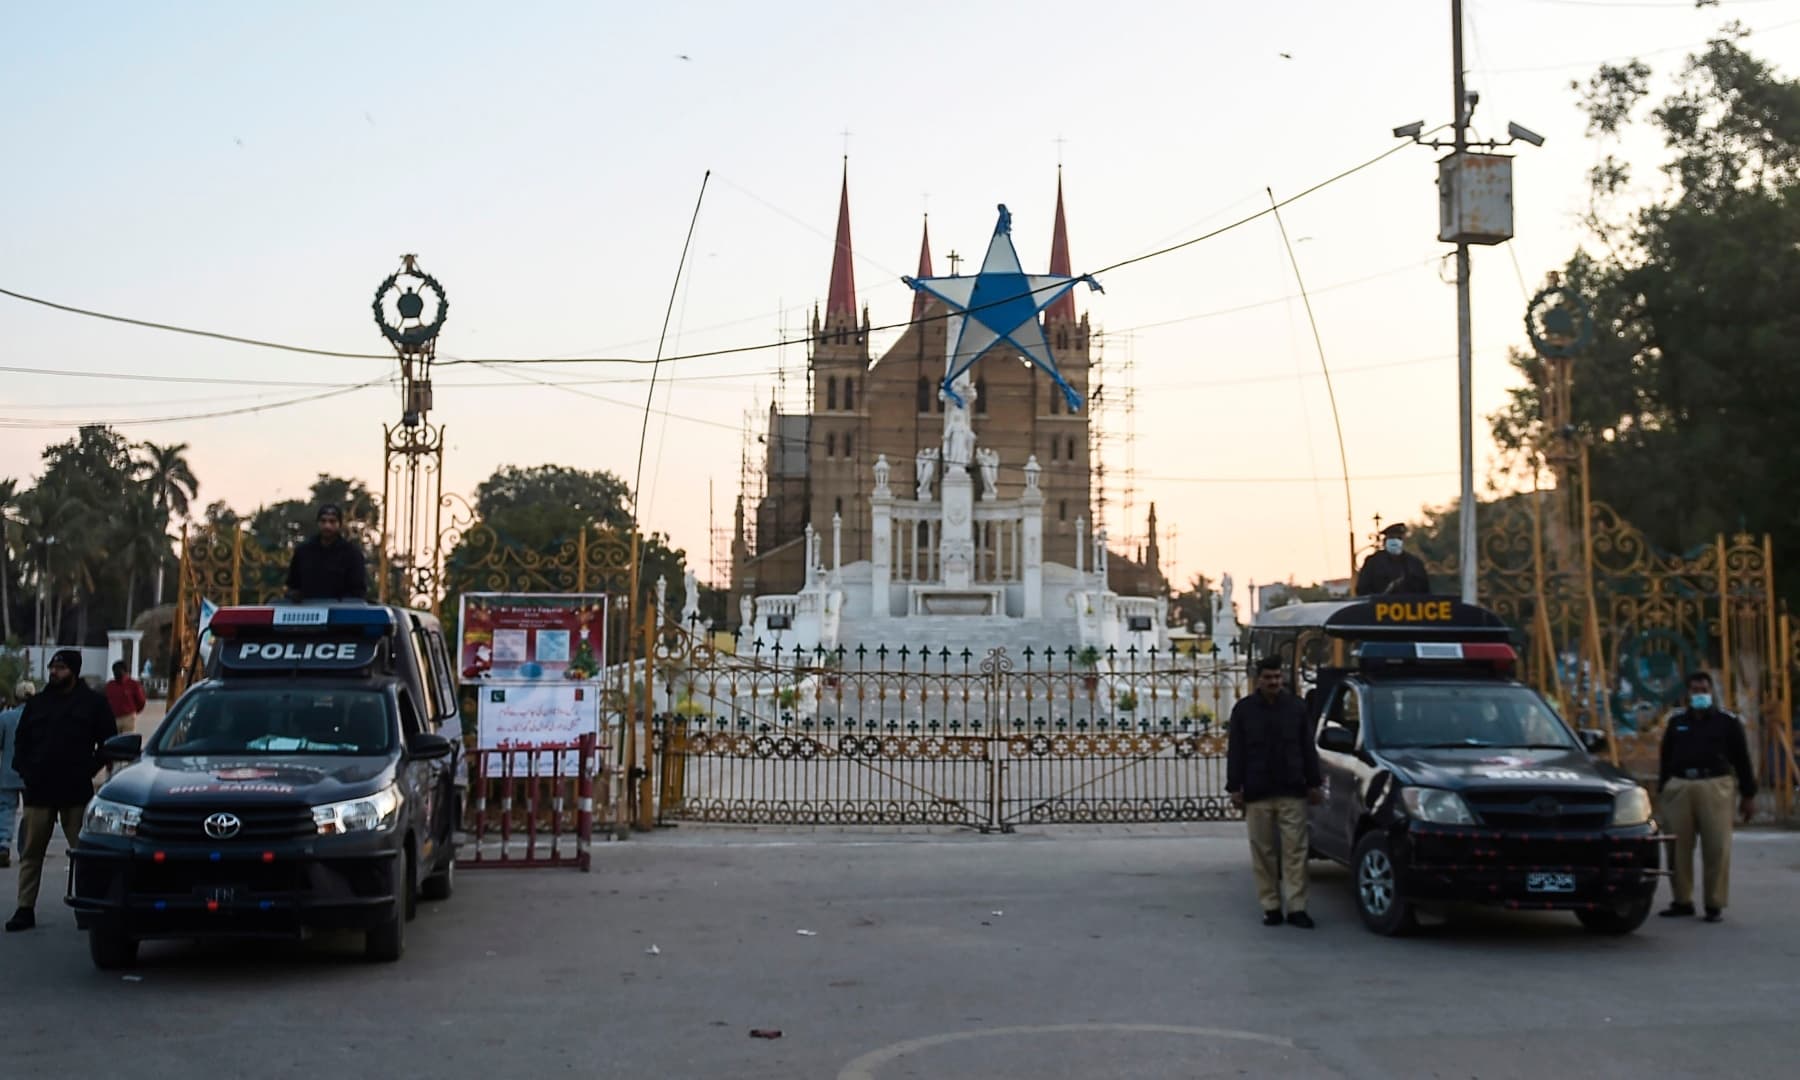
<point x="525" y="715"/>
<point x="531" y="636"/>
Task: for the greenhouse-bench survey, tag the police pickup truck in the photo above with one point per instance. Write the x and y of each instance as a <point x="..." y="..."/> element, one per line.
<point x="1448" y="781"/>
<point x="301" y="786"/>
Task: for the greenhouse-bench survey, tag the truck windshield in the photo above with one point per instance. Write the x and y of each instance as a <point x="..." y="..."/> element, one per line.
<point x="269" y="720"/>
<point x="1445" y="715"/>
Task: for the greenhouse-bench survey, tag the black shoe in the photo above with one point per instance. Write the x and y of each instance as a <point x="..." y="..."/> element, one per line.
<point x="1300" y="919"/>
<point x="1714" y="914"/>
<point x="23" y="919"/>
<point x="1272" y="918"/>
<point x="1677" y="911"/>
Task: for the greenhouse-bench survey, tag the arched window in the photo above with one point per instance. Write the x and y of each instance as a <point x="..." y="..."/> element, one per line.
<point x="1062" y="510"/>
<point x="849" y="445"/>
<point x="831" y="444"/>
<point x="850" y="395"/>
<point x="924" y="394"/>
<point x="980" y="397"/>
<point x="1070" y="453"/>
<point x="837" y="504"/>
<point x="831" y="392"/>
<point x="1055" y="402"/>
<point x="1055" y="447"/>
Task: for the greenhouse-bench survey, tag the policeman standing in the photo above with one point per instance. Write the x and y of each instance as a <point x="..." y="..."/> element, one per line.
<point x="1705" y="761"/>
<point x="330" y="565"/>
<point x="1271" y="773"/>
<point x="1393" y="569"/>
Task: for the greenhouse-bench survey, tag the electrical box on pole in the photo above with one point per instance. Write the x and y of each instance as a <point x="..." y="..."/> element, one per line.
<point x="1475" y="203"/>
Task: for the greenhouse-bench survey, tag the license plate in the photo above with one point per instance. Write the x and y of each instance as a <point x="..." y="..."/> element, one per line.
<point x="1550" y="883"/>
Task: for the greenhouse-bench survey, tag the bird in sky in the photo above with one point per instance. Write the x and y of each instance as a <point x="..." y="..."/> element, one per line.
<point x="683" y="56"/>
<point x="1286" y="55"/>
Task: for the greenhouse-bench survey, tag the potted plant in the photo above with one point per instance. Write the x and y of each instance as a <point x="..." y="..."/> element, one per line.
<point x="1128" y="702"/>
<point x="1089" y="660"/>
<point x="788" y="698"/>
<point x="1199" y="715"/>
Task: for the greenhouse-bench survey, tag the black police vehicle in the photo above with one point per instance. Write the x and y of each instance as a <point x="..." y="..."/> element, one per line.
<point x="1448" y="781"/>
<point x="300" y="786"/>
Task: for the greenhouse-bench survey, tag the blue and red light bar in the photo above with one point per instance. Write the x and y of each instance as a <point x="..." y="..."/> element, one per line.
<point x="361" y="618"/>
<point x="1426" y="652"/>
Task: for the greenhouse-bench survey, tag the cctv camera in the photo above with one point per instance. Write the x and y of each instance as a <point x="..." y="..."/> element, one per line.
<point x="1409" y="131"/>
<point x="1524" y="134"/>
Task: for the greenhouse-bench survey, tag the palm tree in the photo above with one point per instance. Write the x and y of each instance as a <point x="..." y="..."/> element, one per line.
<point x="172" y="488"/>
<point x="9" y="494"/>
<point x="140" y="544"/>
<point x="66" y="539"/>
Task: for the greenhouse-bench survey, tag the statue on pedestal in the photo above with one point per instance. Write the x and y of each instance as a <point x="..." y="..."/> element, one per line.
<point x="926" y="466"/>
<point x="989" y="460"/>
<point x="959" y="439"/>
<point x="882" y="469"/>
<point x="1032" y="471"/>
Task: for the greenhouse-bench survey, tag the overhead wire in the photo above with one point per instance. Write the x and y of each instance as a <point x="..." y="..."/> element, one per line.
<point x="656" y="361"/>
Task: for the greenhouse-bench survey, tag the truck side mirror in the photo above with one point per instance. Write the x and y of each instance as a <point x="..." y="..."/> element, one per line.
<point x="1338" y="740"/>
<point x="122" y="748"/>
<point x="1594" y="740"/>
<point x="427" y="746"/>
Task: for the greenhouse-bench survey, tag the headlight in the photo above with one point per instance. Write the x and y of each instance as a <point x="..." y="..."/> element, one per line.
<point x="371" y="813"/>
<point x="107" y="818"/>
<point x="1436" y="806"/>
<point x="1631" y="807"/>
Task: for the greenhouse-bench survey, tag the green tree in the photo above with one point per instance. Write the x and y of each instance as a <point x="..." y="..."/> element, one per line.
<point x="1192" y="606"/>
<point x="9" y="496"/>
<point x="173" y="486"/>
<point x="1687" y="396"/>
<point x="543" y="508"/>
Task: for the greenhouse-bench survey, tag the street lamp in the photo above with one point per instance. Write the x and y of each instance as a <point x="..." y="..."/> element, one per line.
<point x="1474" y="207"/>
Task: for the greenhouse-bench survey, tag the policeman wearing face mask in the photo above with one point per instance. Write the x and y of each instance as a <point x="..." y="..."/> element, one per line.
<point x="1705" y="770"/>
<point x="1393" y="569"/>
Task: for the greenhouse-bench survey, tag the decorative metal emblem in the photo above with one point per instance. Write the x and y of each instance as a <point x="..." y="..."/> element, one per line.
<point x="222" y="826"/>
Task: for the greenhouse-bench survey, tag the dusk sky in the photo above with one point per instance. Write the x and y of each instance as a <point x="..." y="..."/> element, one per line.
<point x="257" y="169"/>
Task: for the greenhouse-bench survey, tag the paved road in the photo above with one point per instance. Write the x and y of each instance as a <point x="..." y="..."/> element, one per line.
<point x="1128" y="952"/>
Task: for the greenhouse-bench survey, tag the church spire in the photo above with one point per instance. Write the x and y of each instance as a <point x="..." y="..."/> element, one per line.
<point x="920" y="297"/>
<point x="1062" y="309"/>
<point x="842" y="298"/>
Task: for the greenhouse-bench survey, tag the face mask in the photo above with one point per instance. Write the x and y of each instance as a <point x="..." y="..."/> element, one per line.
<point x="1701" y="701"/>
<point x="1394" y="547"/>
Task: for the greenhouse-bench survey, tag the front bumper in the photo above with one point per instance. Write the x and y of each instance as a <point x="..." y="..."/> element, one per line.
<point x="162" y="890"/>
<point x="1593" y="870"/>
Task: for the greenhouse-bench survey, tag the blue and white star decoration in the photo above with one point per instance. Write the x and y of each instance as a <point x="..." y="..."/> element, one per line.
<point x="1001" y="303"/>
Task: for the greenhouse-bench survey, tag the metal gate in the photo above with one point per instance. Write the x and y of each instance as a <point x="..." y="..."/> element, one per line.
<point x="904" y="737"/>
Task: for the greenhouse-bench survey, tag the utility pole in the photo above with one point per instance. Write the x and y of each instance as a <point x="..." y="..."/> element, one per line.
<point x="1465" y="363"/>
<point x="1474" y="207"/>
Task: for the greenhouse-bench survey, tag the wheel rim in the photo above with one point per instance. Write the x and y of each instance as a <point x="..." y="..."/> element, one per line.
<point x="1375" y="882"/>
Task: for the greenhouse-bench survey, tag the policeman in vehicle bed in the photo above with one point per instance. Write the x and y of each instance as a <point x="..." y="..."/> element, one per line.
<point x="1705" y="763"/>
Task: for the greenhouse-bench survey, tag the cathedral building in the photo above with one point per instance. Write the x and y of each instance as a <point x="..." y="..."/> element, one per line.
<point x="818" y="465"/>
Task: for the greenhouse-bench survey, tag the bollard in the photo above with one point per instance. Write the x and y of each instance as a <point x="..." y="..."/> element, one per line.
<point x="584" y="816"/>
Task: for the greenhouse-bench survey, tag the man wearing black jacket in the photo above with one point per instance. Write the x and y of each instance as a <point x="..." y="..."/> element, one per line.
<point x="1271" y="773"/>
<point x="1393" y="570"/>
<point x="330" y="565"/>
<point x="57" y="756"/>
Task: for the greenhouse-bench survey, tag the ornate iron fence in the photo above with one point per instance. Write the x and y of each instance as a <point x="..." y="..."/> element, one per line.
<point x="909" y="737"/>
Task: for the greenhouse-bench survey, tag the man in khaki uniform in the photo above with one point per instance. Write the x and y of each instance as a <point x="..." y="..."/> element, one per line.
<point x="1271" y="773"/>
<point x="1705" y="775"/>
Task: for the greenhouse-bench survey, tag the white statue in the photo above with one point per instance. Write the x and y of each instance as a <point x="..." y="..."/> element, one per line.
<point x="882" y="469"/>
<point x="1032" y="471"/>
<point x="959" y="439"/>
<point x="746" y="614"/>
<point x="690" y="605"/>
<point x="662" y="598"/>
<point x="989" y="460"/>
<point x="927" y="467"/>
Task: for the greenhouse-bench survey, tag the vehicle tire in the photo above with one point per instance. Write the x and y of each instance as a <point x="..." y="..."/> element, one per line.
<point x="386" y="943"/>
<point x="441" y="885"/>
<point x="112" y="949"/>
<point x="1622" y="919"/>
<point x="1378" y="898"/>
